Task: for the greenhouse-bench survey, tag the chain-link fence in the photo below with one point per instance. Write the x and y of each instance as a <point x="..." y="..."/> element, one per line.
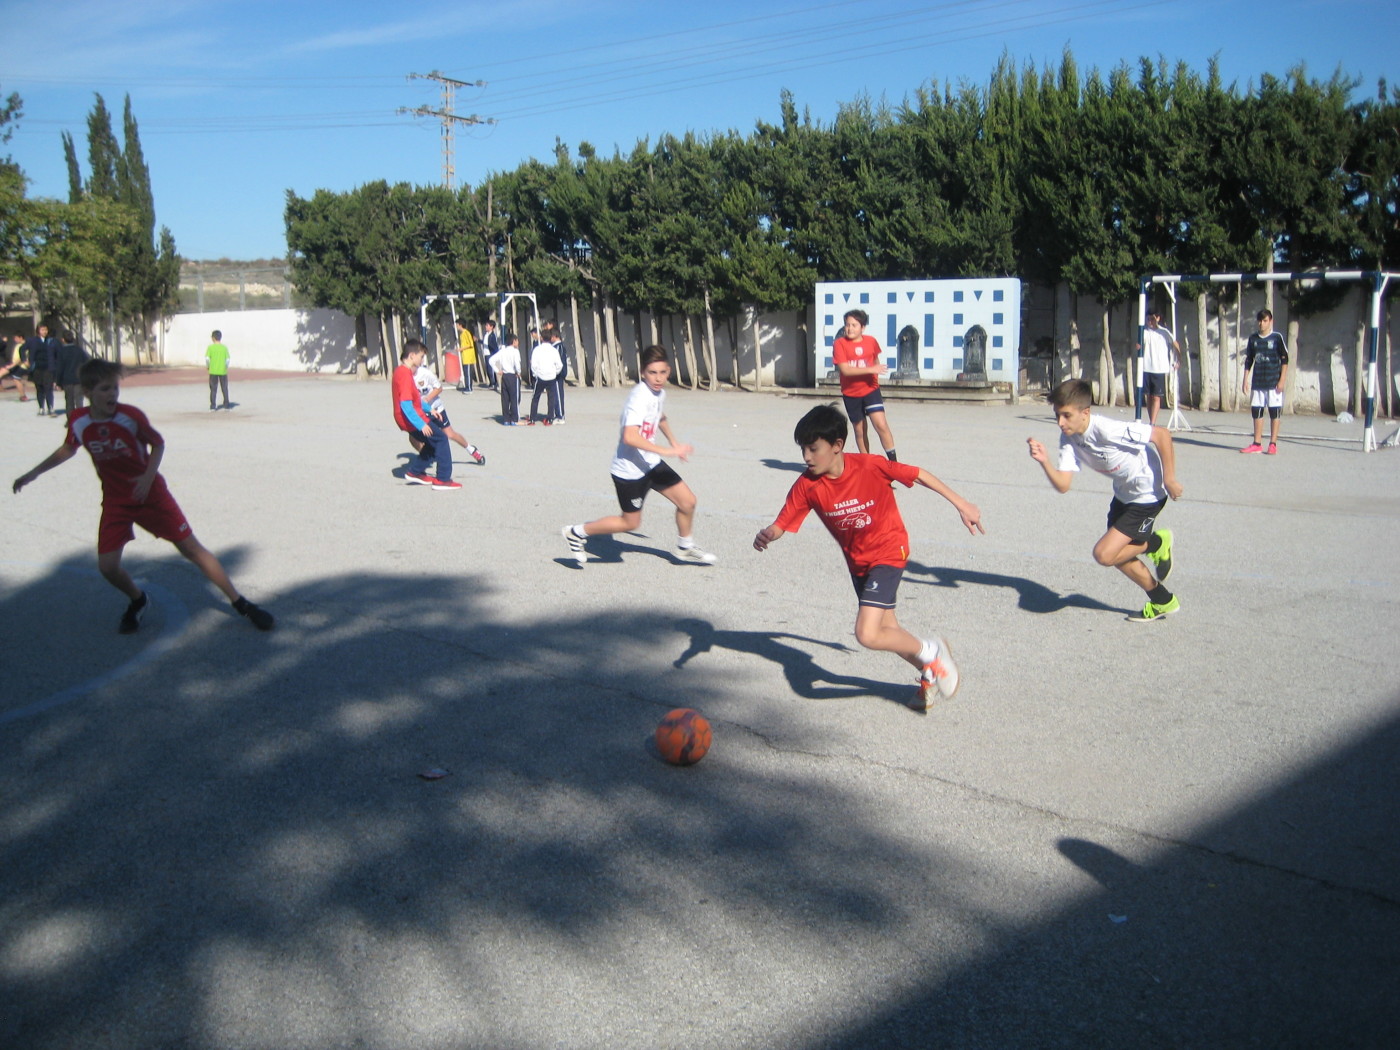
<point x="244" y="288"/>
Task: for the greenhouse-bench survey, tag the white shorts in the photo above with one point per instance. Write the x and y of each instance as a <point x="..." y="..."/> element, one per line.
<point x="1266" y="398"/>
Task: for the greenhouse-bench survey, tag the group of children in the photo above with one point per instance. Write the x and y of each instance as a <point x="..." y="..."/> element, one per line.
<point x="850" y="491"/>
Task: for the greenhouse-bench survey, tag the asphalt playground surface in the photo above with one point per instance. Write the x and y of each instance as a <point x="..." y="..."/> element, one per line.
<point x="1177" y="834"/>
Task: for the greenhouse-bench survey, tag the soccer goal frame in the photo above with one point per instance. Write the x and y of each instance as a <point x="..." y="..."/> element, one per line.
<point x="503" y="302"/>
<point x="1378" y="280"/>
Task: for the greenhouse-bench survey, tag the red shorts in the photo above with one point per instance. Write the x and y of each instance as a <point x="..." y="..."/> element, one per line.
<point x="160" y="515"/>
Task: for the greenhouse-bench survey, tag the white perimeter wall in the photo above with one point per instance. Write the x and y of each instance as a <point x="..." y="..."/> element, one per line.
<point x="289" y="340"/>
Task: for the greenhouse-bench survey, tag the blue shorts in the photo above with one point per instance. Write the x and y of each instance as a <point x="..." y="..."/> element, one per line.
<point x="857" y="408"/>
<point x="878" y="586"/>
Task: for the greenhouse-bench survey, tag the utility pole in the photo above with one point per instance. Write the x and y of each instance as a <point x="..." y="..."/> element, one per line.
<point x="449" y="119"/>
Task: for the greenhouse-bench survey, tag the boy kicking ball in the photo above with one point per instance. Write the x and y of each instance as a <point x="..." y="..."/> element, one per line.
<point x="1142" y="463"/>
<point x="851" y="493"/>
<point x="126" y="450"/>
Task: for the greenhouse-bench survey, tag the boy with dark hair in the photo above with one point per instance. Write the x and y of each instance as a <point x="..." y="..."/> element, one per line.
<point x="1160" y="352"/>
<point x="1266" y="363"/>
<point x="857" y="359"/>
<point x="851" y="493"/>
<point x="414" y="421"/>
<point x="637" y="467"/>
<point x="42" y="349"/>
<point x="506" y="363"/>
<point x="1142" y="463"/>
<point x="216" y="359"/>
<point x="126" y="451"/>
<point x="71" y="358"/>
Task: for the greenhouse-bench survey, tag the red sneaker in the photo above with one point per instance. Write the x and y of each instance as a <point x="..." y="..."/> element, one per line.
<point x="445" y="486"/>
<point x="1273" y="450"/>
<point x="1255" y="447"/>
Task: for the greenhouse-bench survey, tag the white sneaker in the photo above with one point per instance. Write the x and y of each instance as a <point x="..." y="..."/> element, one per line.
<point x="575" y="544"/>
<point x="940" y="679"/>
<point x="696" y="555"/>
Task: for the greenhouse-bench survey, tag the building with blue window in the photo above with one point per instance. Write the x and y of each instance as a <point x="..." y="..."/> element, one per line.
<point x="964" y="328"/>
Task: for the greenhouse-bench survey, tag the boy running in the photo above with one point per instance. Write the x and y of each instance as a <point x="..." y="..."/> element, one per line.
<point x="851" y="493"/>
<point x="637" y="467"/>
<point x="127" y="450"/>
<point x="1142" y="463"/>
<point x="857" y="359"/>
<point x="427" y="436"/>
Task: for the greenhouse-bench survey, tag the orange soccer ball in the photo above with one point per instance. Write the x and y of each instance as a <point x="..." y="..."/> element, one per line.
<point x="683" y="737"/>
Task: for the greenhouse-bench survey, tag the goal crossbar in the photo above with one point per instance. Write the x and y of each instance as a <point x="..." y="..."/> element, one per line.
<point x="1378" y="280"/>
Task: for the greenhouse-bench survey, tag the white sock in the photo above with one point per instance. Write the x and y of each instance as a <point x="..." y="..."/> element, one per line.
<point x="684" y="542"/>
<point x="928" y="652"/>
<point x="577" y="530"/>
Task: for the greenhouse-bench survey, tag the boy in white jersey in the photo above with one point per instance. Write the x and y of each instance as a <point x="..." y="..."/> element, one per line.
<point x="1140" y="460"/>
<point x="126" y="451"/>
<point x="637" y="467"/>
<point x="426" y="380"/>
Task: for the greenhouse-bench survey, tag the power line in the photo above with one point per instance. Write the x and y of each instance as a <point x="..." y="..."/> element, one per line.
<point x="450" y="119"/>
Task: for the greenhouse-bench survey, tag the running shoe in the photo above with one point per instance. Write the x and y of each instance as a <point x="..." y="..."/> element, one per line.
<point x="1161" y="558"/>
<point x="696" y="555"/>
<point x="1153" y="611"/>
<point x="940" y="679"/>
<point x="131" y="619"/>
<point x="445" y="486"/>
<point x="1273" y="449"/>
<point x="575" y="544"/>
<point x="417" y="479"/>
<point x="1253" y="447"/>
<point x="256" y="615"/>
<point x="477" y="455"/>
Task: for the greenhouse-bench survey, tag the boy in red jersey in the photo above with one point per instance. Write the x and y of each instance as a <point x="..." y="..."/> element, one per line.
<point x="427" y="435"/>
<point x="127" y="450"/>
<point x="857" y="359"/>
<point x="851" y="492"/>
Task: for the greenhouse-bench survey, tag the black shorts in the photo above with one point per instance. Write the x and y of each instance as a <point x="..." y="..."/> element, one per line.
<point x="1134" y="520"/>
<point x="1154" y="384"/>
<point x="632" y="492"/>
<point x="878" y="586"/>
<point x="857" y="408"/>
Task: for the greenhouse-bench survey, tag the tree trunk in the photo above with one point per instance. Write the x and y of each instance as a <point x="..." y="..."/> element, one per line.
<point x="1210" y="367"/>
<point x="652" y="328"/>
<point x="1106" y="392"/>
<point x="757" y="352"/>
<point x="610" y="337"/>
<point x="691" y="362"/>
<point x="804" y="352"/>
<point x="490" y="246"/>
<point x="1358" y="388"/>
<point x="1076" y="363"/>
<point x="1290" y="385"/>
<point x="361" y="347"/>
<point x="600" y="345"/>
<point x="1227" y="383"/>
<point x="711" y="358"/>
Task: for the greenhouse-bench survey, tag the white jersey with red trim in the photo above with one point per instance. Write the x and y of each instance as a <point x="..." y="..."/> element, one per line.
<point x="644" y="410"/>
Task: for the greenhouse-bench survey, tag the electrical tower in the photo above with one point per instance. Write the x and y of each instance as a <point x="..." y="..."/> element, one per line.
<point x="449" y="119"/>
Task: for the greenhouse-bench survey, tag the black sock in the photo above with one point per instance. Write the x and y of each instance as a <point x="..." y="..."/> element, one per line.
<point x="1159" y="595"/>
<point x="889" y="454"/>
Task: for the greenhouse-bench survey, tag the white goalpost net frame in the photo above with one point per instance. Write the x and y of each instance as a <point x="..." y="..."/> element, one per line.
<point x="504" y="300"/>
<point x="1378" y="280"/>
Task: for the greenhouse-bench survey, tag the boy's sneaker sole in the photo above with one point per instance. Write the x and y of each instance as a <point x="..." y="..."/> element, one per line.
<point x="1151" y="611"/>
<point x="576" y="545"/>
<point x="695" y="556"/>
<point x="131" y="619"/>
<point x="1162" y="559"/>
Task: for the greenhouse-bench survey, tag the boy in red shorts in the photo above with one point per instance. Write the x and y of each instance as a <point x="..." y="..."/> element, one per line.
<point x="126" y="450"/>
<point x="851" y="493"/>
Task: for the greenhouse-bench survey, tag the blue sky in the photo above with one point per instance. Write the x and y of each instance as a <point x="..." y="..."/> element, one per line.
<point x="237" y="102"/>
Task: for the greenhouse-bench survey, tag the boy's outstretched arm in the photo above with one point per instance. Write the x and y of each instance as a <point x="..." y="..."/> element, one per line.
<point x="767" y="536"/>
<point x="62" y="454"/>
<point x="1162" y="438"/>
<point x="1059" y="478"/>
<point x="968" y="512"/>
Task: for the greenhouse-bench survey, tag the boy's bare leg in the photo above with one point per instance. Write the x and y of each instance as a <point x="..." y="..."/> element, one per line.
<point x="1115" y="549"/>
<point x="879" y="629"/>
<point x="110" y="566"/>
<point x="213" y="570"/>
<point x="1273" y="430"/>
<point x="452" y="435"/>
<point x="685" y="501"/>
<point x="1154" y="405"/>
<point x="862" y="436"/>
<point x="882" y="428"/>
<point x="613" y="524"/>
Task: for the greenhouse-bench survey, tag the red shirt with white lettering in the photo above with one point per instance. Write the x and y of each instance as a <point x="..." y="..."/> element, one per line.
<point x="858" y="509"/>
<point x="863" y="353"/>
<point x="120" y="448"/>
